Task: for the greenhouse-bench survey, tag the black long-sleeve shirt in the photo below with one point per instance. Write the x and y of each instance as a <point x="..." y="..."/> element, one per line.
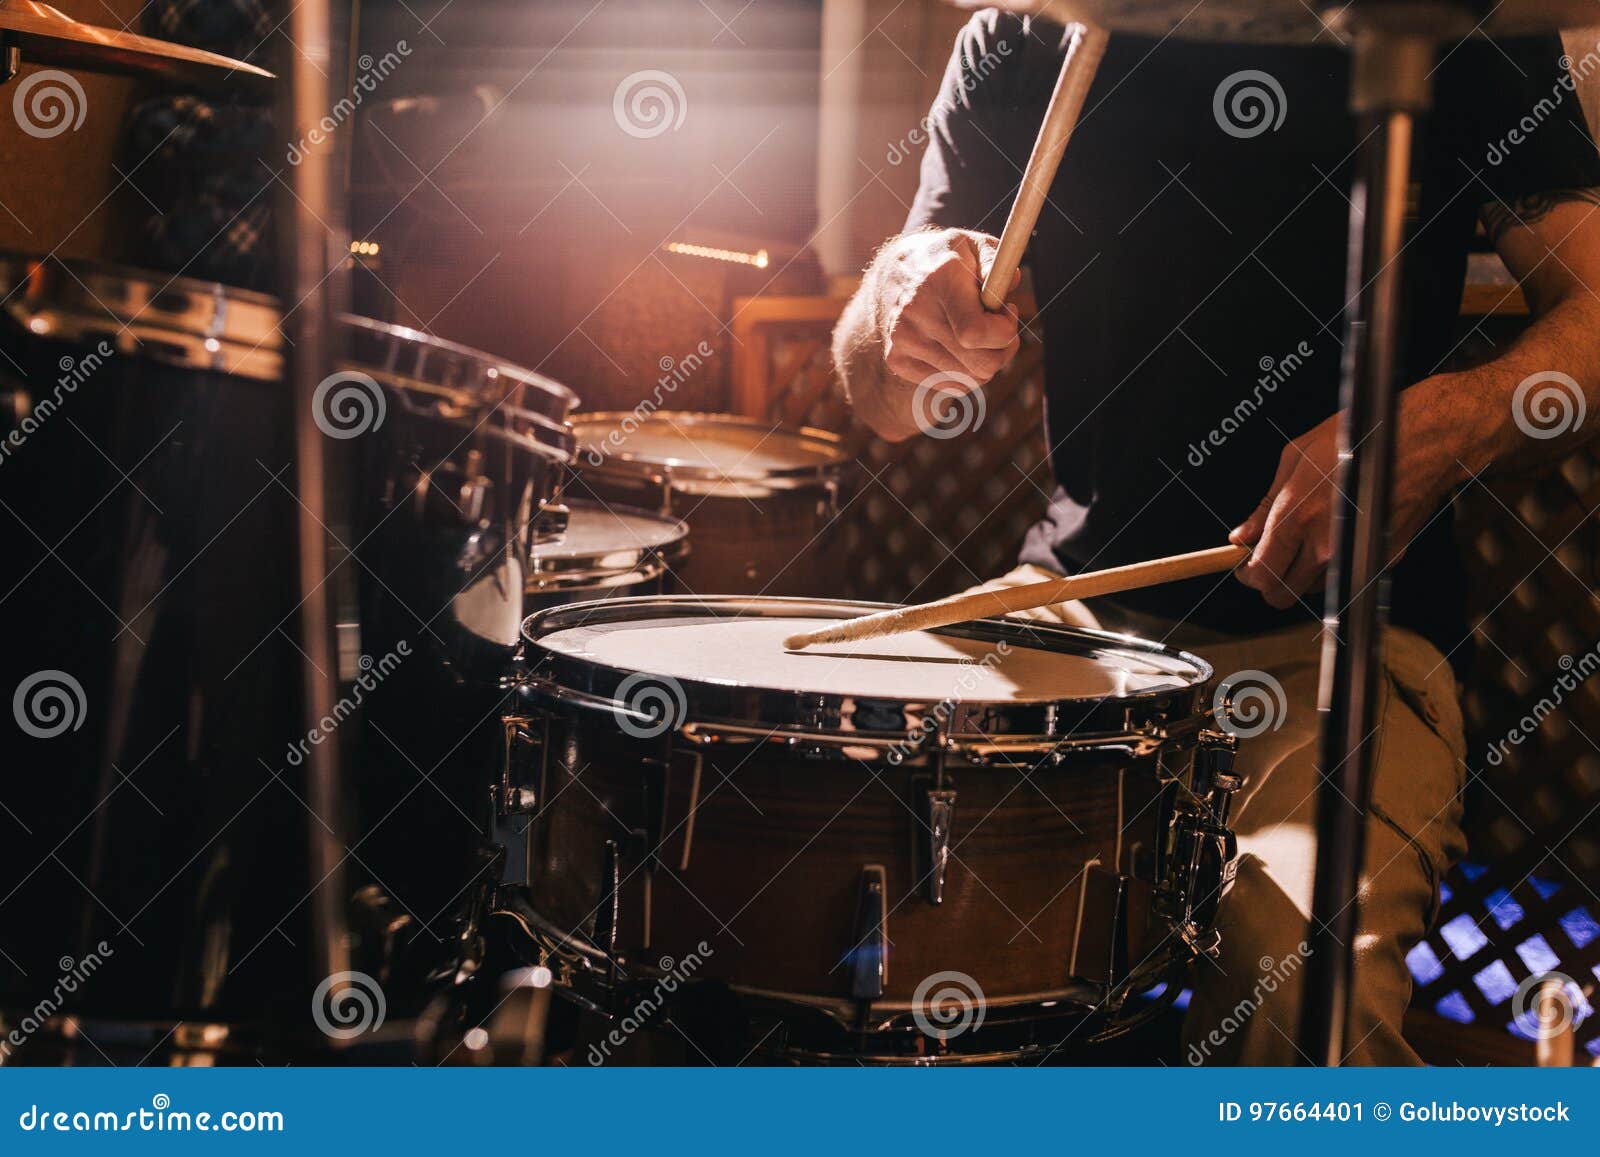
<point x="1190" y="272"/>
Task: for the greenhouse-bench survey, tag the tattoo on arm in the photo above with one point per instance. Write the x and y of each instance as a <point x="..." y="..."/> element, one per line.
<point x="1499" y="218"/>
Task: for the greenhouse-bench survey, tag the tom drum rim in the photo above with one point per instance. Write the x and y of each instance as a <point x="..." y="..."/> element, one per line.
<point x="604" y="546"/>
<point x="822" y="452"/>
<point x="420" y="362"/>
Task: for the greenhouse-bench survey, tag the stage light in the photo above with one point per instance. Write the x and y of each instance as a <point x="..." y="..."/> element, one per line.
<point x="759" y="258"/>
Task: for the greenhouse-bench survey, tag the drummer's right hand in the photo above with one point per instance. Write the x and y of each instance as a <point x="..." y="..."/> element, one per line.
<point x="933" y="319"/>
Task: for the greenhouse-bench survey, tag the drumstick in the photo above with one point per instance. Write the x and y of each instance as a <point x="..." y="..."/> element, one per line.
<point x="1066" y="102"/>
<point x="985" y="604"/>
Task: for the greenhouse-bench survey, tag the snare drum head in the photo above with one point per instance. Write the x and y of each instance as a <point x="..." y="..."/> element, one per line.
<point x="709" y="646"/>
<point x="705" y="446"/>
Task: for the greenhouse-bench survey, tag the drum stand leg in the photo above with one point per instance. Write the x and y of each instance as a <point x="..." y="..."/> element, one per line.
<point x="311" y="244"/>
<point x="1392" y="54"/>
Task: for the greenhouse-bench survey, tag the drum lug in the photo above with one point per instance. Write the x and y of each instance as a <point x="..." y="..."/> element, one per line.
<point x="473" y="497"/>
<point x="522" y="732"/>
<point x="937" y="816"/>
<point x="656" y="782"/>
<point x="516" y="796"/>
<point x="551" y="522"/>
<point x="869" y="949"/>
<point x="609" y="915"/>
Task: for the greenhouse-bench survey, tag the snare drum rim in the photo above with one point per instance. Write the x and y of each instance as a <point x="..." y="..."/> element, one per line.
<point x="620" y="461"/>
<point x="545" y="674"/>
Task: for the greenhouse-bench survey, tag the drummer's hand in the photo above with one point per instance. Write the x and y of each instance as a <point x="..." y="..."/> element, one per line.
<point x="932" y="316"/>
<point x="1291" y="531"/>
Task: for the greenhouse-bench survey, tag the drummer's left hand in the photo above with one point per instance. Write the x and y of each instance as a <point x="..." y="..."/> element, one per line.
<point x="1291" y="531"/>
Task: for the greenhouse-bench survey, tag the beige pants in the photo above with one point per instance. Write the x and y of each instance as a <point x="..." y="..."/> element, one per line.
<point x="1246" y="1001"/>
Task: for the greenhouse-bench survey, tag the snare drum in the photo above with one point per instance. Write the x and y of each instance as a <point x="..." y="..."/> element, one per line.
<point x="760" y="501"/>
<point x="605" y="552"/>
<point x="1028" y="819"/>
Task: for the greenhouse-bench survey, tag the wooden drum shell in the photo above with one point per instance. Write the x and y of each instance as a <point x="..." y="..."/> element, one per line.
<point x="766" y="881"/>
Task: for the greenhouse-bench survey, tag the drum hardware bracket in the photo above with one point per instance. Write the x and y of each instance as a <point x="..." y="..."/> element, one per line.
<point x="550" y="522"/>
<point x="869" y="947"/>
<point x="705" y="734"/>
<point x="545" y="689"/>
<point x="515" y="798"/>
<point x="609" y="916"/>
<point x="475" y="489"/>
<point x="935" y="816"/>
<point x="10" y="58"/>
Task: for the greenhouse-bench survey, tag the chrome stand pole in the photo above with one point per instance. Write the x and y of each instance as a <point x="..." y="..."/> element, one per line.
<point x="1392" y="53"/>
<point x="311" y="242"/>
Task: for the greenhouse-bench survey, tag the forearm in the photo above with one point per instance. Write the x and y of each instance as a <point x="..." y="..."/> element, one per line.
<point x="1493" y="417"/>
<point x="879" y="399"/>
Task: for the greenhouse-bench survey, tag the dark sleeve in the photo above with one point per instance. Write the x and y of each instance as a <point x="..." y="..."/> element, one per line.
<point x="1523" y="131"/>
<point x="982" y="124"/>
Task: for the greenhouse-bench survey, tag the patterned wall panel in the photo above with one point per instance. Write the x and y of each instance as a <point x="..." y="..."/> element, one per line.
<point x="1527" y="904"/>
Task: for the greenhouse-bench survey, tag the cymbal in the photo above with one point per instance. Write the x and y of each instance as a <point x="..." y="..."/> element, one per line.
<point x="1299" y="21"/>
<point x="46" y="35"/>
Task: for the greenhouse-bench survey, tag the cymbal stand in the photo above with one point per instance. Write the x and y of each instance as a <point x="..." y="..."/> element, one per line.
<point x="1393" y="46"/>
